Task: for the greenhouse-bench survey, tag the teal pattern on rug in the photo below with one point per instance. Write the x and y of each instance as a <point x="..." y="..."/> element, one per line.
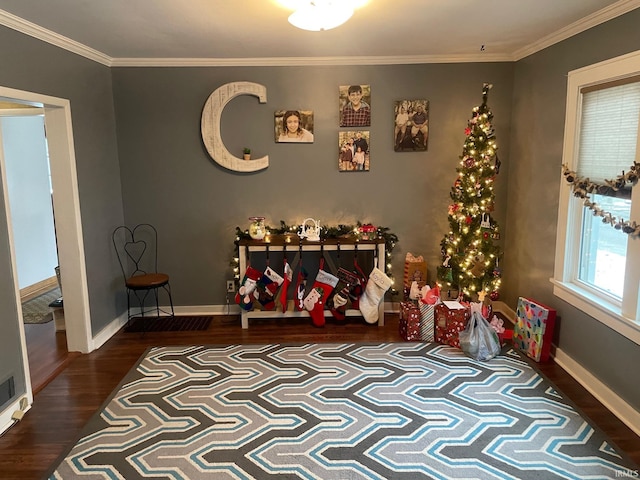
<point x="406" y="411"/>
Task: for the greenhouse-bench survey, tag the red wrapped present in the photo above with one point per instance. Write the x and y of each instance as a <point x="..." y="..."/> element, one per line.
<point x="449" y="322"/>
<point x="409" y="321"/>
<point x="534" y="329"/>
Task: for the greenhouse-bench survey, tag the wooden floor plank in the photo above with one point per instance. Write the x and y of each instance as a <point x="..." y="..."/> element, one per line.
<point x="66" y="403"/>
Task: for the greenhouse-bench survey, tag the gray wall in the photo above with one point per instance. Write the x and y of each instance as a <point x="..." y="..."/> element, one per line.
<point x="29" y="186"/>
<point x="169" y="179"/>
<point x="34" y="66"/>
<point x="165" y="176"/>
<point x="540" y="89"/>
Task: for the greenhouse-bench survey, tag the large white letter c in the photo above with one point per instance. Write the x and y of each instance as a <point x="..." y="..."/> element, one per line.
<point x="210" y="125"/>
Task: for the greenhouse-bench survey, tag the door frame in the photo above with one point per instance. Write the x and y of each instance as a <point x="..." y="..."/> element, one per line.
<point x="66" y="202"/>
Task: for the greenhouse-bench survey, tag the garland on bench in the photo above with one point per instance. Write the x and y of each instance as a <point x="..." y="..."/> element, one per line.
<point x="339" y="231"/>
<point x="582" y="187"/>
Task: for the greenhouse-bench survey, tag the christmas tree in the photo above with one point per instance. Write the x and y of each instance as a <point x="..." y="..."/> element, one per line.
<point x="470" y="257"/>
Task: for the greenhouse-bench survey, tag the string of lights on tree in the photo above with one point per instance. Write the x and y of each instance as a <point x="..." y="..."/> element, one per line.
<point x="582" y="187"/>
<point x="470" y="257"/>
<point x="333" y="232"/>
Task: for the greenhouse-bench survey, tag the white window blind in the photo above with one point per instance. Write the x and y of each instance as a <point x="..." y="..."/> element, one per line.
<point x="608" y="130"/>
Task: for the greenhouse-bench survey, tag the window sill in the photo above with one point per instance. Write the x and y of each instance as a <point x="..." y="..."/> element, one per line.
<point x="608" y="314"/>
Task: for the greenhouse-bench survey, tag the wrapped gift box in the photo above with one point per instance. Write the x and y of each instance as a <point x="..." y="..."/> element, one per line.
<point x="449" y="322"/>
<point x="427" y="322"/>
<point x="409" y="321"/>
<point x="534" y="329"/>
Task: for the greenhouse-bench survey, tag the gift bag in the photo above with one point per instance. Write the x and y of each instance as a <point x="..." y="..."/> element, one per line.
<point x="427" y="322"/>
<point x="415" y="270"/>
<point x="450" y="319"/>
<point x="534" y="329"/>
<point x="478" y="340"/>
<point x="409" y="321"/>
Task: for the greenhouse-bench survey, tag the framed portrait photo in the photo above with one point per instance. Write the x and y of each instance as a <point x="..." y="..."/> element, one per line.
<point x="354" y="152"/>
<point x="355" y="105"/>
<point x="411" y="125"/>
<point x="293" y="126"/>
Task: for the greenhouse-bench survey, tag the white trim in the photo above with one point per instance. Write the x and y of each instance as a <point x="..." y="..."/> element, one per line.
<point x="19" y="24"/>
<point x="571" y="211"/>
<point x="14" y="269"/>
<point x="66" y="200"/>
<point x="109" y="331"/>
<point x="601" y="16"/>
<point x="609" y="315"/>
<point x="36" y="31"/>
<point x="616" y="405"/>
<point x="6" y="421"/>
<point x="309" y="61"/>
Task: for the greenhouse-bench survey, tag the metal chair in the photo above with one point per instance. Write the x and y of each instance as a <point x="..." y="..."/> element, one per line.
<point x="138" y="257"/>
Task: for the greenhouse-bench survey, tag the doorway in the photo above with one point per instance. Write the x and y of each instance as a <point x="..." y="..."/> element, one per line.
<point x="57" y="114"/>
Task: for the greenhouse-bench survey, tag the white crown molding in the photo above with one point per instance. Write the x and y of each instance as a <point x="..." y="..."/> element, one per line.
<point x="16" y="23"/>
<point x="590" y="21"/>
<point x="36" y="31"/>
<point x="305" y="61"/>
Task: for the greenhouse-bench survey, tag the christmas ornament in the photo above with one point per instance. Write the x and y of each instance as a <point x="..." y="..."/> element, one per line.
<point x="494" y="296"/>
<point x="310" y="229"/>
<point x="257" y="230"/>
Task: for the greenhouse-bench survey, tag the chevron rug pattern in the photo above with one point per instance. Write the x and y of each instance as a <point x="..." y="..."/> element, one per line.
<point x="406" y="411"/>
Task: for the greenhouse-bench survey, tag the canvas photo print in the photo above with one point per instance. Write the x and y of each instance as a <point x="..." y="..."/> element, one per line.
<point x="411" y="125"/>
<point x="354" y="151"/>
<point x="293" y="126"/>
<point x="355" y="105"/>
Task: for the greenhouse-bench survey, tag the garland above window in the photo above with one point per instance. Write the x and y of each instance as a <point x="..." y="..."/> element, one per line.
<point x="582" y="187"/>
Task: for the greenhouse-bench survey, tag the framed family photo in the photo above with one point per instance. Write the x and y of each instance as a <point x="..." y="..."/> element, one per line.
<point x="355" y="105"/>
<point x="293" y="126"/>
<point x="411" y="125"/>
<point x="354" y="153"/>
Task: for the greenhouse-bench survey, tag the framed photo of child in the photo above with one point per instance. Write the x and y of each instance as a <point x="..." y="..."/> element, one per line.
<point x="411" y="125"/>
<point x="355" y="105"/>
<point x="293" y="126"/>
<point x="354" y="151"/>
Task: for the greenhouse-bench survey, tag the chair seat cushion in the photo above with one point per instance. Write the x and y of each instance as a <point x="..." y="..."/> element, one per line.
<point x="148" y="280"/>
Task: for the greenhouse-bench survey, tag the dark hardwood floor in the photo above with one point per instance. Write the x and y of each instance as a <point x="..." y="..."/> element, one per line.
<point x="65" y="403"/>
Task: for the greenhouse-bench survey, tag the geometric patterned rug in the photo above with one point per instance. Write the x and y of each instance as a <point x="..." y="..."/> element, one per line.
<point x="37" y="309"/>
<point x="406" y="411"/>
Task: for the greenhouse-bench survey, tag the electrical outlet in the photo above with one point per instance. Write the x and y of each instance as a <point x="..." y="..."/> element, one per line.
<point x="231" y="286"/>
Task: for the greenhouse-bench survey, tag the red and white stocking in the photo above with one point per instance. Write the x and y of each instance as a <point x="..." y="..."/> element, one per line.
<point x="244" y="297"/>
<point x="322" y="288"/>
<point x="267" y="287"/>
<point x="301" y="288"/>
<point x="288" y="276"/>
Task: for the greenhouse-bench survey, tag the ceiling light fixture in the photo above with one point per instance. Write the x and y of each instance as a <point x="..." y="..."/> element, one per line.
<point x="316" y="15"/>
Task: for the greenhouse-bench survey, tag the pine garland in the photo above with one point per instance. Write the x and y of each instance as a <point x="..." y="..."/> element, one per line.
<point x="582" y="187"/>
<point x="334" y="232"/>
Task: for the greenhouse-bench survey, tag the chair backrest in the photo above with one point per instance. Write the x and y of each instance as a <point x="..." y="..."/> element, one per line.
<point x="137" y="249"/>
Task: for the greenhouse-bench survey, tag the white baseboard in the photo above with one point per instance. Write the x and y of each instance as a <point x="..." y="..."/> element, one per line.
<point x="616" y="405"/>
<point x="6" y="422"/>
<point x="107" y="332"/>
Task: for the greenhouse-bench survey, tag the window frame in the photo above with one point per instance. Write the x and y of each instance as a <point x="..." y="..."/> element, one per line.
<point x="623" y="317"/>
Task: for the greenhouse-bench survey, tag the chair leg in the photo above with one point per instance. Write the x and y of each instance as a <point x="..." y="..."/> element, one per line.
<point x="167" y="288"/>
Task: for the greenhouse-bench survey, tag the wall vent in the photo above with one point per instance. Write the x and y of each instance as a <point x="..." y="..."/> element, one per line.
<point x="7" y="391"/>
